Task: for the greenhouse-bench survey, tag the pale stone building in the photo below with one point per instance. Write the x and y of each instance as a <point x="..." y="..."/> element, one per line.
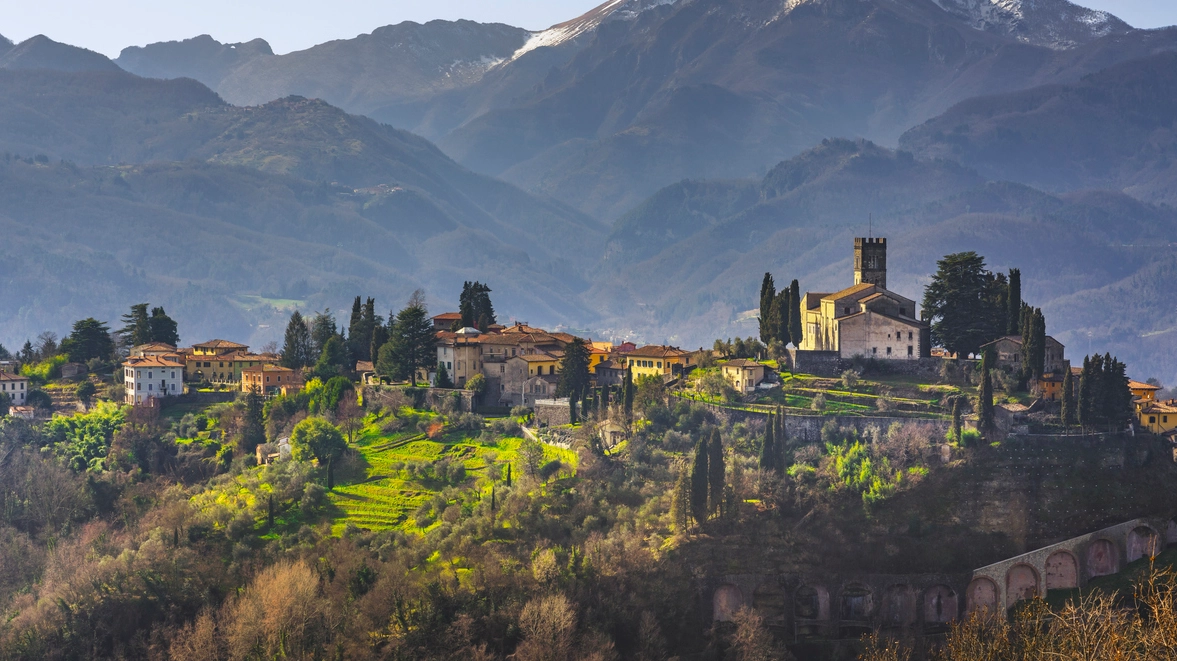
<point x="743" y="374"/>
<point x="152" y="376"/>
<point x="867" y="319"/>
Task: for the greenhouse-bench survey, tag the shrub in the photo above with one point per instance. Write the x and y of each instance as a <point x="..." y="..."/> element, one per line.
<point x="819" y="402"/>
<point x="970" y="438"/>
<point x="312" y="497"/>
<point x="849" y="379"/>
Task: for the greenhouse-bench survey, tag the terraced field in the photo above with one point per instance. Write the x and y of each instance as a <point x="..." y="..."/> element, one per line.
<point x="385" y="499"/>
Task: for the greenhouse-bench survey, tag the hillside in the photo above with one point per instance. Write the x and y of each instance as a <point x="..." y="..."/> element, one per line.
<point x="229" y="250"/>
<point x="799" y="221"/>
<point x="1113" y="129"/>
<point x="41" y="52"/>
<point x="714" y="89"/>
<point x="440" y="222"/>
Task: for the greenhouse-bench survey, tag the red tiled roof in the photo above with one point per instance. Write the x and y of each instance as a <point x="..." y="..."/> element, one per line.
<point x="658" y="351"/>
<point x="7" y="376"/>
<point x="220" y="344"/>
<point x="154" y="361"/>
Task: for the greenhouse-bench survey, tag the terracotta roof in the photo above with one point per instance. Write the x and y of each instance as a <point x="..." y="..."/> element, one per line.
<point x="851" y="291"/>
<point x="154" y="346"/>
<point x="658" y="351"/>
<point x="742" y="362"/>
<point x="909" y="321"/>
<point x="1169" y="406"/>
<point x="447" y="316"/>
<point x="609" y="365"/>
<point x="537" y="358"/>
<point x="365" y="366"/>
<point x="522" y="328"/>
<point x="266" y="367"/>
<point x="219" y="344"/>
<point x="154" y="361"/>
<point x="7" y="376"/>
<point x="1137" y="385"/>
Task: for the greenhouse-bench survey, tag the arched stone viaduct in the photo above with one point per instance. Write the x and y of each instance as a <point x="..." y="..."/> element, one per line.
<point x="834" y="606"/>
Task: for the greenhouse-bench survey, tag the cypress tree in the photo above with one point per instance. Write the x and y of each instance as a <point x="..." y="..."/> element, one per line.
<point x="629" y="391"/>
<point x="716" y="472"/>
<point x="1014" y="302"/>
<point x="680" y="503"/>
<point x="781" y="309"/>
<point x="956" y="422"/>
<point x="767" y="297"/>
<point x="572" y="410"/>
<point x="796" y="332"/>
<point x="508" y="474"/>
<point x="1067" y="414"/>
<point x="443" y="379"/>
<point x="768" y="446"/>
<point x="1038" y="344"/>
<point x="253" y="432"/>
<point x="1083" y="400"/>
<point x="985" y="405"/>
<point x="699" y="481"/>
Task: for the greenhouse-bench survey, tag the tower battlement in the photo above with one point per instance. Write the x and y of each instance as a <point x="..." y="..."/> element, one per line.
<point x="870" y="261"/>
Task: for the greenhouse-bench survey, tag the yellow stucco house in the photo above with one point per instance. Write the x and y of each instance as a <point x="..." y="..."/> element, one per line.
<point x="1158" y="417"/>
<point x="658" y="360"/>
<point x="743" y="374"/>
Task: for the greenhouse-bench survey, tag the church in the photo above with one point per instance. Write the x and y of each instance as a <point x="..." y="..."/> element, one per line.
<point x="867" y="319"/>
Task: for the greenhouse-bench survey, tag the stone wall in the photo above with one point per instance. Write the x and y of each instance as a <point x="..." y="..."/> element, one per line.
<point x="831" y="364"/>
<point x="551" y="412"/>
<point x="806" y="429"/>
<point x="397" y="396"/>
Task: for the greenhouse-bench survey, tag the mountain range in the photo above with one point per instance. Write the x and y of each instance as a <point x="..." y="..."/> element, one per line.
<point x="631" y="172"/>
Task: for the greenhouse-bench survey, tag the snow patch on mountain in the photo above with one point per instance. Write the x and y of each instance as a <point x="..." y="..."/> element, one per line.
<point x="569" y="30"/>
<point x="1057" y="24"/>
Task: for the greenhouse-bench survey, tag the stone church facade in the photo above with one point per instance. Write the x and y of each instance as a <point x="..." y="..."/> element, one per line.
<point x="867" y="319"/>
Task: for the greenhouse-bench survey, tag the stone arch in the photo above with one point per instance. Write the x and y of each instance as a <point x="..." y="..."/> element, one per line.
<point x="1021" y="582"/>
<point x="727" y="600"/>
<point x="1062" y="571"/>
<point x="1143" y="542"/>
<point x="981" y="595"/>
<point x="1171" y="531"/>
<point x="811" y="603"/>
<point x="941" y="605"/>
<point x="899" y="606"/>
<point x="1102" y="558"/>
<point x="857" y="603"/>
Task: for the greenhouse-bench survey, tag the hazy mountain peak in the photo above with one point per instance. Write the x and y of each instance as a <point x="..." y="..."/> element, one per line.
<point x="1057" y="24"/>
<point x="5" y="44"/>
<point x="570" y="30"/>
<point x="41" y="52"/>
<point x="201" y="58"/>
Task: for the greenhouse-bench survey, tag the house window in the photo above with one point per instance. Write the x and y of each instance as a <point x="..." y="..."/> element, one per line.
<point x="888" y="351"/>
<point x="845" y="310"/>
<point x="874" y="350"/>
<point x="502" y="369"/>
<point x="138" y="386"/>
<point x="903" y="312"/>
<point x="909" y="351"/>
<point x="1164" y="418"/>
<point x="909" y="336"/>
<point x="660" y="364"/>
<point x="1152" y="419"/>
<point x="149" y="386"/>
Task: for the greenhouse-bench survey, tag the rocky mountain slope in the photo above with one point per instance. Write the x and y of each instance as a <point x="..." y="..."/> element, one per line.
<point x="725" y="89"/>
<point x="41" y="52"/>
<point x="201" y="58"/>
<point x="1113" y="129"/>
<point x="716" y="239"/>
<point x="1052" y="23"/>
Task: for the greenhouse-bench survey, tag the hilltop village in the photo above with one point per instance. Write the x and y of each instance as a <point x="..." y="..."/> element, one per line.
<point x="867" y="463"/>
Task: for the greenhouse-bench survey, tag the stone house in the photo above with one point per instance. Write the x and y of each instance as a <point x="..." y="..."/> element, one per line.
<point x="271" y="379"/>
<point x="609" y="373"/>
<point x="742" y="374"/>
<point x="15" y="386"/>
<point x="659" y="360"/>
<point x="152" y="377"/>
<point x="1008" y="354"/>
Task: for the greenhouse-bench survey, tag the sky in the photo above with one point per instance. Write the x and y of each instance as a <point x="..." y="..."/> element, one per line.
<point x="111" y="25"/>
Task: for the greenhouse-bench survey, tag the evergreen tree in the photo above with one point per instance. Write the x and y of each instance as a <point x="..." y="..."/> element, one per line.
<point x="1067" y="413"/>
<point x="985" y="403"/>
<point x="163" y="328"/>
<point x="572" y="417"/>
<point x="333" y="361"/>
<point x="628" y="393"/>
<point x="767" y="298"/>
<point x="1083" y="405"/>
<point x="296" y="346"/>
<point x="323" y="328"/>
<point x="1038" y="353"/>
<point x="574" y="370"/>
<point x="956" y="419"/>
<point x="379" y="339"/>
<point x="768" y="451"/>
<point x="716" y="472"/>
<point x="475" y="306"/>
<point x="361" y="328"/>
<point x="680" y="503"/>
<point x="796" y="331"/>
<point x="136" y="328"/>
<point x="253" y="431"/>
<point x="443" y="377"/>
<point x="89" y="339"/>
<point x="699" y="481"/>
<point x="782" y="308"/>
<point x="270" y="513"/>
<point x="1014" y="303"/>
<point x="412" y="344"/>
<point x="961" y="303"/>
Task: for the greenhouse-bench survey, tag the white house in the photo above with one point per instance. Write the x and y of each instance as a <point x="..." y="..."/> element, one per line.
<point x="15" y="386"/>
<point x="152" y="376"/>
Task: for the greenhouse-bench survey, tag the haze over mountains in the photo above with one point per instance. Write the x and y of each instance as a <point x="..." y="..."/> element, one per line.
<point x="634" y="170"/>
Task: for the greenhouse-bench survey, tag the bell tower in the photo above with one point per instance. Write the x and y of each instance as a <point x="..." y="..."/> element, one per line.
<point x="870" y="261"/>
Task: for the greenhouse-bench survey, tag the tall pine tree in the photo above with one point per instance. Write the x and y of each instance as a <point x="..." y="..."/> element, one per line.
<point x="1014" y="303"/>
<point x="680" y="504"/>
<point x="796" y="332"/>
<point x="767" y="297"/>
<point x="716" y="472"/>
<point x="1067" y="412"/>
<point x="296" y="346"/>
<point x="768" y="451"/>
<point x="699" y="481"/>
<point x="985" y="403"/>
<point x="412" y="344"/>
